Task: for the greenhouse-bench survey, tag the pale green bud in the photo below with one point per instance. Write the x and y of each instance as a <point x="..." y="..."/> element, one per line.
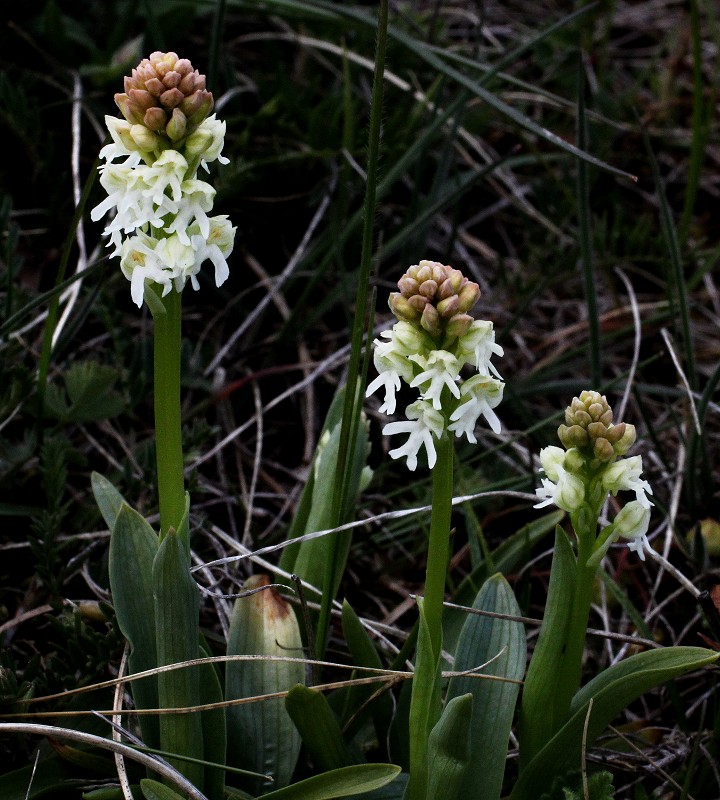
<point x="145" y="139"/>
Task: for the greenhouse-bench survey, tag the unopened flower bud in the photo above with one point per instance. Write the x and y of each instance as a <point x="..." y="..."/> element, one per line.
<point x="468" y="296"/>
<point x="428" y="289"/>
<point x="615" y="432"/>
<point x="155" y="119"/>
<point x="603" y="450"/>
<point x="402" y="308"/>
<point x="458" y="325"/>
<point x="448" y="307"/>
<point x="430" y="320"/>
<point x="177" y="126"/>
<point x="408" y="286"/>
<point x="626" y="441"/>
<point x="145" y="139"/>
<point x="573" y="436"/>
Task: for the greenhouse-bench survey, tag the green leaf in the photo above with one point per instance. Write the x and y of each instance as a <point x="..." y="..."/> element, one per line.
<point x="482" y="638"/>
<point x="108" y="498"/>
<point x="538" y="722"/>
<point x="177" y="608"/>
<point x="89" y="394"/>
<point x="214" y="730"/>
<point x="312" y="556"/>
<point x="611" y="691"/>
<point x="364" y="654"/>
<point x="133" y="547"/>
<point x="343" y="782"/>
<point x="449" y="751"/>
<point x="262" y="737"/>
<point x="319" y="729"/>
<point x="158" y="791"/>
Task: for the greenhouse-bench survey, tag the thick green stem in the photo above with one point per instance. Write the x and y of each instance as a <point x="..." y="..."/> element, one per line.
<point x="168" y="429"/>
<point x="425" y="700"/>
<point x="571" y="665"/>
<point x="439" y="546"/>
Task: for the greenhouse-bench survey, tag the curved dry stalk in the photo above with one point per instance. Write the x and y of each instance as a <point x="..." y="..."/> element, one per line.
<point x="179" y="781"/>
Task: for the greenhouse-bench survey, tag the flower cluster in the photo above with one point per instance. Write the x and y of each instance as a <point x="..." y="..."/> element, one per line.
<point x="434" y="338"/>
<point x="161" y="229"/>
<point x="591" y="466"/>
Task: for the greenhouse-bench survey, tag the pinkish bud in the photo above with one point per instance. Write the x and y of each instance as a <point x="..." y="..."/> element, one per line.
<point x="430" y="320"/>
<point x="172" y="79"/>
<point x="155" y="86"/>
<point x="155" y="119"/>
<point x="428" y="289"/>
<point x="408" y="286"/>
<point x="141" y="98"/>
<point x="418" y="302"/>
<point x="172" y="98"/>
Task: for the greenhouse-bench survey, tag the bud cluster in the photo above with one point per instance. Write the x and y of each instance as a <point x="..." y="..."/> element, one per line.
<point x="436" y="297"/>
<point x="591" y="466"/>
<point x="161" y="228"/>
<point x="432" y="341"/>
<point x="166" y="96"/>
<point x="589" y="427"/>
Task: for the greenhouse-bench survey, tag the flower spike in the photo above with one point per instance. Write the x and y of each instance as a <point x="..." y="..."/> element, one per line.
<point x="433" y="339"/>
<point x="162" y="230"/>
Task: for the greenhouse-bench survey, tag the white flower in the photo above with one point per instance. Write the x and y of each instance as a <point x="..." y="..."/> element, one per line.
<point x="624" y="475"/>
<point x="440" y="369"/>
<point x="139" y="263"/>
<point x="479" y="395"/>
<point x="552" y="459"/>
<point x="122" y="144"/>
<point x="422" y="424"/>
<point x="197" y="200"/>
<point x="567" y="491"/>
<point x="167" y="173"/>
<point x="477" y="346"/>
<point x="632" y="522"/>
<point x="213" y="152"/>
<point x="216" y="247"/>
<point x="390" y="359"/>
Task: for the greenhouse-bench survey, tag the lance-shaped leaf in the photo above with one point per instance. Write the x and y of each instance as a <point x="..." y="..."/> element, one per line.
<point x="538" y="717"/>
<point x="502" y="643"/>
<point x="320" y="729"/>
<point x="424" y="709"/>
<point x="261" y="735"/>
<point x="365" y="655"/>
<point x="449" y="750"/>
<point x="133" y="547"/>
<point x="611" y="691"/>
<point x="310" y="559"/>
<point x="177" y="609"/>
<point x="343" y="782"/>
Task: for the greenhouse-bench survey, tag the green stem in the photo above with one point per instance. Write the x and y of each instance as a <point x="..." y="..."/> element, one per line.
<point x="425" y="698"/>
<point x="439" y="545"/>
<point x="168" y="430"/>
<point x="571" y="664"/>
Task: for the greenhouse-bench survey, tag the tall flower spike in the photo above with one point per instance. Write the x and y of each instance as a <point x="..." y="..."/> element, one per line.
<point x="434" y="338"/>
<point x="592" y="466"/>
<point x="158" y="201"/>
